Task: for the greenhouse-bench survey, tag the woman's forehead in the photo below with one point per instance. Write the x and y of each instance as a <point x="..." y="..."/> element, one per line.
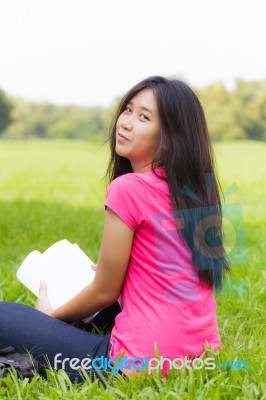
<point x="145" y="100"/>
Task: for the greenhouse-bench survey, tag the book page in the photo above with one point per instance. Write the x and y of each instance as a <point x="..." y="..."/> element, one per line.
<point x="29" y="271"/>
<point x="64" y="267"/>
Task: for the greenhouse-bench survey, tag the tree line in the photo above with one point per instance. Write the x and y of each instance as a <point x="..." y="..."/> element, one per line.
<point x="236" y="114"/>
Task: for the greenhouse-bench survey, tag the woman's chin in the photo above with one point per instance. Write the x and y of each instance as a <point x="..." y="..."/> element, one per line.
<point x="120" y="151"/>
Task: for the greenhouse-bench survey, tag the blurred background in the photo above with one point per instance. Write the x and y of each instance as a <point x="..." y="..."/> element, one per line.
<point x="65" y="63"/>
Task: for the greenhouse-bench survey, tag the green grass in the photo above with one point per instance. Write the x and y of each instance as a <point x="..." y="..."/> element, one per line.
<point x="55" y="190"/>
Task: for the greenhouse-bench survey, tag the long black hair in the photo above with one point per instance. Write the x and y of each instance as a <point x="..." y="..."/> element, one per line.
<point x="186" y="154"/>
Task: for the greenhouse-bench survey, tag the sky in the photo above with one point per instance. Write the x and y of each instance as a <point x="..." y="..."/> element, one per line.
<point x="88" y="52"/>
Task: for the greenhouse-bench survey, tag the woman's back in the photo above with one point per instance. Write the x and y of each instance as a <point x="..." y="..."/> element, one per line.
<point x="162" y="300"/>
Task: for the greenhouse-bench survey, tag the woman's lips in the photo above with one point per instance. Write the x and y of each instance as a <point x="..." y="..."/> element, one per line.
<point x="120" y="136"/>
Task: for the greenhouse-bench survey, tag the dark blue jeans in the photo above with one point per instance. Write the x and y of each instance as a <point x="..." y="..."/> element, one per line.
<point x="27" y="329"/>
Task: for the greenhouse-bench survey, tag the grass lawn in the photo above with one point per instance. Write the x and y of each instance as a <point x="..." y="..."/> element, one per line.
<point x="55" y="190"/>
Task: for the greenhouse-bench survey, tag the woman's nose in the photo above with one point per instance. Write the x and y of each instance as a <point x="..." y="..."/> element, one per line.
<point x="126" y="124"/>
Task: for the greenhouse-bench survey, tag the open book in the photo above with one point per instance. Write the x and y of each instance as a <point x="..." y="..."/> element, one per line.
<point x="64" y="267"/>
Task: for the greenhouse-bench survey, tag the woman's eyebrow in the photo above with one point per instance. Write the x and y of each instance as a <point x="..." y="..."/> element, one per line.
<point x="142" y="107"/>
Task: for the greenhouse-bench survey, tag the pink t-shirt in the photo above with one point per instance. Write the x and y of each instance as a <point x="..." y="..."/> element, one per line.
<point x="162" y="299"/>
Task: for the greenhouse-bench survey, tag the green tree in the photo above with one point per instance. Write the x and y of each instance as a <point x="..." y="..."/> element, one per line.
<point x="5" y="111"/>
<point x="221" y="109"/>
<point x="252" y="110"/>
<point x="235" y="114"/>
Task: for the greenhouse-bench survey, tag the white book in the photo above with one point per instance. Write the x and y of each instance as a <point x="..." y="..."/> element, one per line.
<point x="64" y="267"/>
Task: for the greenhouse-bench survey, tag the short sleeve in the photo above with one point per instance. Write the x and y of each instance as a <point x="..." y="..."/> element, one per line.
<point x="126" y="197"/>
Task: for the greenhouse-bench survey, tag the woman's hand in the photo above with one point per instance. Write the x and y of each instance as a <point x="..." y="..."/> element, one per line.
<point x="43" y="303"/>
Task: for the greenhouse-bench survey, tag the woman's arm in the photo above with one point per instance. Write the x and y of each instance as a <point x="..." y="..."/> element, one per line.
<point x="111" y="269"/>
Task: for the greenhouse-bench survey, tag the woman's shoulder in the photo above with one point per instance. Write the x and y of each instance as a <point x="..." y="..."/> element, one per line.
<point x="149" y="176"/>
<point x="129" y="182"/>
<point x="139" y="184"/>
<point x="127" y="197"/>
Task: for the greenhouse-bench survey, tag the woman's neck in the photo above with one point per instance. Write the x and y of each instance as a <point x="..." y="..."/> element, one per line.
<point x="139" y="168"/>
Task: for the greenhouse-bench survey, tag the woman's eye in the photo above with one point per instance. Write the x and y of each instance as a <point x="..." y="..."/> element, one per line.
<point x="145" y="116"/>
<point x="128" y="109"/>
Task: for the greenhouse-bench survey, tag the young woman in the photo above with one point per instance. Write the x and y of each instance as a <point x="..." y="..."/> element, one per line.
<point x="161" y="253"/>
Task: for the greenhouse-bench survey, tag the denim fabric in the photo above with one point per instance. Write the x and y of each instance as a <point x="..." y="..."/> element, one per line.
<point x="27" y="329"/>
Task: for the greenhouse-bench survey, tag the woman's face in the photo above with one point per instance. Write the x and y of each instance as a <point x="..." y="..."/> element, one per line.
<point x="138" y="131"/>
